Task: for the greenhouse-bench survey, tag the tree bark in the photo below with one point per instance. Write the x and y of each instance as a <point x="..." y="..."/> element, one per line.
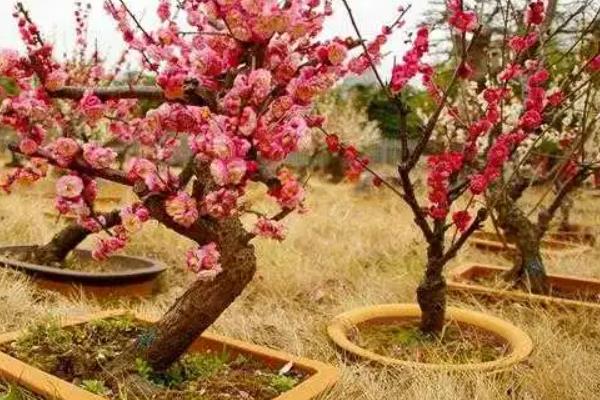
<point x="200" y="306"/>
<point x="528" y="269"/>
<point x="431" y="292"/>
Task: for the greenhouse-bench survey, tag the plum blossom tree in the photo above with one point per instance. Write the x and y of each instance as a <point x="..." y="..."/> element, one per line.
<point x="235" y="78"/>
<point x="477" y="152"/>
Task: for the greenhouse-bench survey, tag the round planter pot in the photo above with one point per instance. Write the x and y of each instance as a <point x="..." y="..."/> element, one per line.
<point x="138" y="280"/>
<point x="342" y="325"/>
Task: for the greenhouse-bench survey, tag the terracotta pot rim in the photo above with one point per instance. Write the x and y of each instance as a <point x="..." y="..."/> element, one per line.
<point x="520" y="343"/>
<point x="455" y="284"/>
<point x="566" y="248"/>
<point x="149" y="267"/>
<point x="323" y="376"/>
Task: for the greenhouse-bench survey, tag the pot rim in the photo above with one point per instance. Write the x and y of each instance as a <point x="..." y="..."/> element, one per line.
<point x="152" y="267"/>
<point x="566" y="248"/>
<point x="520" y="343"/>
<point x="456" y="283"/>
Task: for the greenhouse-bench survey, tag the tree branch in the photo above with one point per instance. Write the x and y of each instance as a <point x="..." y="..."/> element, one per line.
<point x="546" y="216"/>
<point x="482" y="214"/>
<point x="79" y="165"/>
<point x="194" y="95"/>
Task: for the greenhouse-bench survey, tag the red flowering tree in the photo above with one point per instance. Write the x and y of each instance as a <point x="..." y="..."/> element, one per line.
<point x="478" y="139"/>
<point x="235" y="79"/>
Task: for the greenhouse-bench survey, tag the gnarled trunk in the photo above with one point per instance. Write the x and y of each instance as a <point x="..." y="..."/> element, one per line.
<point x="200" y="306"/>
<point x="528" y="269"/>
<point x="196" y="310"/>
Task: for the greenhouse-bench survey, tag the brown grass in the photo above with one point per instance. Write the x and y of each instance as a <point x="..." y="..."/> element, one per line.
<point x="351" y="250"/>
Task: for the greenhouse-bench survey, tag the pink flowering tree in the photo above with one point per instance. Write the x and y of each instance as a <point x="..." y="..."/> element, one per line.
<point x="235" y="79"/>
<point x="551" y="98"/>
<point x="478" y="140"/>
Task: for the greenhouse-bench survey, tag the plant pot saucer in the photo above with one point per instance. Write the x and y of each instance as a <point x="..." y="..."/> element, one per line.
<point x="140" y="280"/>
<point x="492" y="242"/>
<point x="463" y="280"/>
<point x="321" y="376"/>
<point x="342" y="325"/>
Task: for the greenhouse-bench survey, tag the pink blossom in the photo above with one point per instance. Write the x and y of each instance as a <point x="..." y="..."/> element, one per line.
<point x="91" y="106"/>
<point x="93" y="225"/>
<point x="509" y="73"/>
<point x="64" y="150"/>
<point x="69" y="186"/>
<point x="228" y="172"/>
<point x="28" y="146"/>
<point x="204" y="261"/>
<point x="98" y="157"/>
<point x="289" y="193"/>
<point x="140" y="168"/>
<point x="163" y="11"/>
<point x="522" y="43"/>
<point x="220" y="204"/>
<point x="594" y="64"/>
<point x="56" y="79"/>
<point x="461" y="219"/>
<point x="182" y="208"/>
<point x="535" y="13"/>
<point x="130" y="221"/>
<point x="531" y="120"/>
<point x="172" y="81"/>
<point x="464" y="21"/>
<point x="269" y="229"/>
<point x="404" y="72"/>
<point x="336" y="53"/>
<point x="105" y="247"/>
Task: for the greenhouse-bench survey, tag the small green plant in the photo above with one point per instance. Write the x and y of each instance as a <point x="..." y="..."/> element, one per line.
<point x="95" y="386"/>
<point x="203" y="366"/>
<point x="283" y="383"/>
<point x="143" y="368"/>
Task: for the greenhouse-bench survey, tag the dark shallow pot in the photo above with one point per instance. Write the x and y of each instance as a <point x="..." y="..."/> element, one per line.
<point x="138" y="280"/>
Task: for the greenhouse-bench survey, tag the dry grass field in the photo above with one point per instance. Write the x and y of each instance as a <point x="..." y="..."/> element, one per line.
<point x="352" y="249"/>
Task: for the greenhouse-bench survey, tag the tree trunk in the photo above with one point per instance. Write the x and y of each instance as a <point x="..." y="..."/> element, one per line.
<point x="431" y="292"/>
<point x="200" y="306"/>
<point x="196" y="310"/>
<point x="565" y="214"/>
<point x="528" y="269"/>
<point x="55" y="251"/>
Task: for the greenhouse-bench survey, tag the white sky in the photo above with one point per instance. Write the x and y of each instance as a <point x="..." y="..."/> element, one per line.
<point x="56" y="21"/>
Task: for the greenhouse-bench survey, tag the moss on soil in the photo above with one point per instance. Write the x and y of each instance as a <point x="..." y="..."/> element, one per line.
<point x="402" y="339"/>
<point x="79" y="353"/>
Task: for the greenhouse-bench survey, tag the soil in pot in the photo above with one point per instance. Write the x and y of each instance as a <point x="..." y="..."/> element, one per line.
<point x="495" y="280"/>
<point x="77" y="262"/>
<point x="78" y="353"/>
<point x="9" y="391"/>
<point x="402" y="339"/>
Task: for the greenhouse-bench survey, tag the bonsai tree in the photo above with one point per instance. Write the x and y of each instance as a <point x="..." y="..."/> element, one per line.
<point x="472" y="157"/>
<point x="236" y="79"/>
<point x="562" y="126"/>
